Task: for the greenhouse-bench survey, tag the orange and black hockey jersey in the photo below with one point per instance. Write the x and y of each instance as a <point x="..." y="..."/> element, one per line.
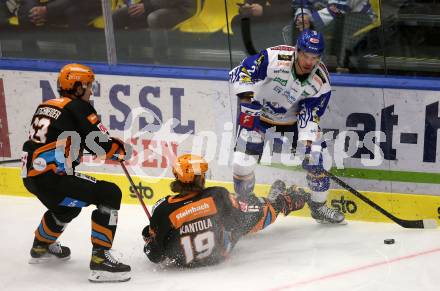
<point x="202" y="228"/>
<point x="58" y="132"/>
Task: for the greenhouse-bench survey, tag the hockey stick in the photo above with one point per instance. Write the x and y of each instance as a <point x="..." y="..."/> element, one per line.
<point x="136" y="190"/>
<point x="247" y="36"/>
<point x="10" y="161"/>
<point x="423" y="223"/>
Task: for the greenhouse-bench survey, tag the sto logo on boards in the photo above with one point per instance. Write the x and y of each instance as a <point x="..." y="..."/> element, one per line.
<point x="344" y="206"/>
<point x="144" y="191"/>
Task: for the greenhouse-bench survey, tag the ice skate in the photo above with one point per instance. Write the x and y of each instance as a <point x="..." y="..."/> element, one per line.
<point x="289" y="199"/>
<point x="277" y="188"/>
<point x="42" y="253"/>
<point x="326" y="215"/>
<point x="105" y="268"/>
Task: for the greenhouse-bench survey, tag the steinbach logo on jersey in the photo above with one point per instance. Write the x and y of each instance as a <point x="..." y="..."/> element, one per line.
<point x="192" y="210"/>
<point x="195" y="210"/>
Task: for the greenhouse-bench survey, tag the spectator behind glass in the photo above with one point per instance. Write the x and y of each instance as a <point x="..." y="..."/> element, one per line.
<point x="267" y="18"/>
<point x="341" y="18"/>
<point x="252" y="8"/>
<point x="264" y="10"/>
<point x="322" y="13"/>
<point x="8" y="9"/>
<point x="73" y="13"/>
<point x="164" y="14"/>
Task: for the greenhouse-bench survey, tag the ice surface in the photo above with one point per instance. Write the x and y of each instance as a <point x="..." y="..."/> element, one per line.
<point x="292" y="254"/>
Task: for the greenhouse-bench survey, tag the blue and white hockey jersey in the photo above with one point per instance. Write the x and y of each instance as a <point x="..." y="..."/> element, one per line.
<point x="285" y="99"/>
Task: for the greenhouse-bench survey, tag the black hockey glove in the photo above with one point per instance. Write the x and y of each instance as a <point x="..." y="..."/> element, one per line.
<point x="151" y="249"/>
<point x="146" y="234"/>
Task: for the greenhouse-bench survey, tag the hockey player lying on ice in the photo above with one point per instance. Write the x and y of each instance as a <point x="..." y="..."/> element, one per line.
<point x="199" y="226"/>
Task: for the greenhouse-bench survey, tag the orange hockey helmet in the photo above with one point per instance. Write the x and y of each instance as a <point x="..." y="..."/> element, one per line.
<point x="72" y="73"/>
<point x="187" y="166"/>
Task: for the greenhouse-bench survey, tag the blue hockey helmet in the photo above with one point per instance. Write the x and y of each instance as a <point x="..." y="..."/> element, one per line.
<point x="310" y="41"/>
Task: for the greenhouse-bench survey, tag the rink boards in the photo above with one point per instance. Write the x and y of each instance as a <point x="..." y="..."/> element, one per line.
<point x="407" y="206"/>
<point x="395" y="120"/>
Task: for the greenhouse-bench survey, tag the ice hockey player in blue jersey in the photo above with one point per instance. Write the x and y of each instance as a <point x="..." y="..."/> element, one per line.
<point x="286" y="88"/>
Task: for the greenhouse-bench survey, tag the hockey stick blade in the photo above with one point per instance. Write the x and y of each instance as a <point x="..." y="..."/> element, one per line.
<point x="430" y="223"/>
<point x="423" y="223"/>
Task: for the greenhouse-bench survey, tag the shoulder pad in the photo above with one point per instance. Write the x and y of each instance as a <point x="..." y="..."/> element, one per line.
<point x="319" y="77"/>
<point x="158" y="203"/>
<point x="58" y="102"/>
<point x="323" y="73"/>
<point x="80" y="107"/>
<point x="217" y="190"/>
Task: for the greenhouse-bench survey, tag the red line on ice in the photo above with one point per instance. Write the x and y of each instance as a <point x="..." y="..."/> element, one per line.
<point x="355" y="269"/>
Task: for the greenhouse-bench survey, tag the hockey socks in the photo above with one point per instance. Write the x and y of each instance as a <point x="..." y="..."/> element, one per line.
<point x="104" y="222"/>
<point x="50" y="228"/>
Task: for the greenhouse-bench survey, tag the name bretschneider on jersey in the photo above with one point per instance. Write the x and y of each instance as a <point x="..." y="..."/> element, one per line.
<point x="49" y="112"/>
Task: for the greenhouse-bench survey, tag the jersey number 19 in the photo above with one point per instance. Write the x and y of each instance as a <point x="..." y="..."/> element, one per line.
<point x="200" y="247"/>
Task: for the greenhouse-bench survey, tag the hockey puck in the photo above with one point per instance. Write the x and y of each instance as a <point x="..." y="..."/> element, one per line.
<point x="389" y="241"/>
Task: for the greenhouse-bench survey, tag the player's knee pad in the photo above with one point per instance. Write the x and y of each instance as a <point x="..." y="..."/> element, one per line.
<point x="109" y="194"/>
<point x="318" y="182"/>
<point x="107" y="213"/>
<point x="243" y="167"/>
<point x="244" y="185"/>
<point x="243" y="164"/>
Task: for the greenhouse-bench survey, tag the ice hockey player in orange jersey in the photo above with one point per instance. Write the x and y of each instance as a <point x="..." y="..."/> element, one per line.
<point x="200" y="226"/>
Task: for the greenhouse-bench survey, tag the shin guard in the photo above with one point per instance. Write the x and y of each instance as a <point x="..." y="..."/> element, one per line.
<point x="104" y="222"/>
<point x="244" y="185"/>
<point x="49" y="230"/>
